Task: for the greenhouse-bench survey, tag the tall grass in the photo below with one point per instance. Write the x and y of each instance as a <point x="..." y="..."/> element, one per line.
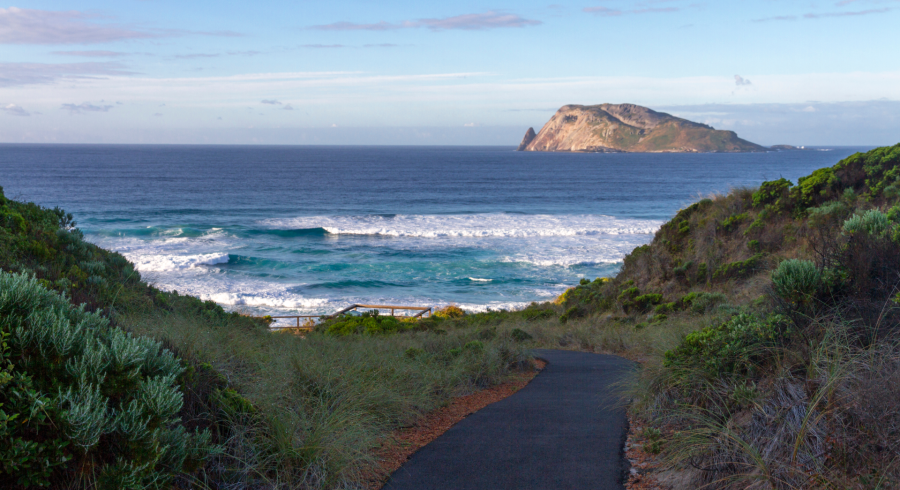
<point x="322" y="404"/>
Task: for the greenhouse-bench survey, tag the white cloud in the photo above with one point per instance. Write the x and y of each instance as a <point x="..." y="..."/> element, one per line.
<point x="15" y="110"/>
<point x="13" y="74"/>
<point x="85" y="107"/>
<point x="29" y="26"/>
<point x="741" y="81"/>
<point x="466" y="22"/>
<point x="270" y="102"/>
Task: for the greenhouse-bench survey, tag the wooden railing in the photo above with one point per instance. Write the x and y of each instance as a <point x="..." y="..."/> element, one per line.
<point x="308" y="326"/>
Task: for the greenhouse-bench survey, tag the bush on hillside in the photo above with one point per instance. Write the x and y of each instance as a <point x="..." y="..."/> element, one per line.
<point x="796" y="281"/>
<point x="82" y="402"/>
<point x="733" y="347"/>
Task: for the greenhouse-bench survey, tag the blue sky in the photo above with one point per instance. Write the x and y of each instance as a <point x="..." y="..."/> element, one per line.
<point x="464" y="72"/>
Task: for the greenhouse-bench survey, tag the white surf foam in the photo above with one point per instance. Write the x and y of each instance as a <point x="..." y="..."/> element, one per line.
<point x="490" y="225"/>
<point x="161" y="263"/>
<point x="478" y="279"/>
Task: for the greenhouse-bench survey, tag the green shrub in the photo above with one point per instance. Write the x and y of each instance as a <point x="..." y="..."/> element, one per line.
<point x="570" y="313"/>
<point x="413" y="353"/>
<point x="824" y="214"/>
<point x="739" y="269"/>
<point x="520" y="335"/>
<point x="665" y="308"/>
<point x="730" y="223"/>
<point x="733" y="347"/>
<point x="681" y="271"/>
<point x="369" y="323"/>
<point x="71" y="381"/>
<point x="449" y="311"/>
<point x="872" y="222"/>
<point x="771" y="192"/>
<point x="813" y="187"/>
<point x="702" y="302"/>
<point x="702" y="273"/>
<point x="532" y="314"/>
<point x="796" y="281"/>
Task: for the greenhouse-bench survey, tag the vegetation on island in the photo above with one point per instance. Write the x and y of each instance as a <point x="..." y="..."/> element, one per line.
<point x="766" y="321"/>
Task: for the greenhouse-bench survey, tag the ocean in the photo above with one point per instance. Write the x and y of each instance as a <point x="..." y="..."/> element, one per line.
<point x="307" y="230"/>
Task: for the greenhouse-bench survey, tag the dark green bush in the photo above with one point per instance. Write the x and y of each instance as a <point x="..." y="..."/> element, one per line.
<point x="733" y="347"/>
<point x="368" y="323"/>
<point x="739" y="269"/>
<point x="520" y="335"/>
<point x="772" y="192"/>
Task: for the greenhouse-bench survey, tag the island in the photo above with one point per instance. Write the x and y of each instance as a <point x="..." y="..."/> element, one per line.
<point x="614" y="128"/>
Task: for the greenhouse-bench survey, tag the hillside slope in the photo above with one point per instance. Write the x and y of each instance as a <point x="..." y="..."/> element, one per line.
<point x="775" y="317"/>
<point x="629" y="128"/>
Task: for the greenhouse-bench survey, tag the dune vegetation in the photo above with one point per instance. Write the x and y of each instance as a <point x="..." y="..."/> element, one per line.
<point x="765" y="321"/>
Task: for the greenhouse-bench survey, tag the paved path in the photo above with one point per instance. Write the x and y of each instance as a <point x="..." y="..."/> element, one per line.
<point x="559" y="432"/>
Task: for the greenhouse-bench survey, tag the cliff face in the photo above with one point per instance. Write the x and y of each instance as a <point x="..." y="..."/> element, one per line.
<point x="629" y="128"/>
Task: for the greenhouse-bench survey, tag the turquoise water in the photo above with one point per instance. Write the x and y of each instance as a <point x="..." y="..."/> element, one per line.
<point x="305" y="230"/>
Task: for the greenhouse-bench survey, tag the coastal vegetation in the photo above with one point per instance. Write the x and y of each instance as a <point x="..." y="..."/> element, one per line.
<point x="765" y="320"/>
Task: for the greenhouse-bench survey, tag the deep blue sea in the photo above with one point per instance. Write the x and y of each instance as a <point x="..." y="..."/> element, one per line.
<point x="301" y="230"/>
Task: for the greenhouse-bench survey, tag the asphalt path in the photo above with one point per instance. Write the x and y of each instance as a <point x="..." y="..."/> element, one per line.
<point x="564" y="430"/>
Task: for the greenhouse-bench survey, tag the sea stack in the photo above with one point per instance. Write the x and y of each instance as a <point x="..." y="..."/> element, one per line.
<point x="629" y="128"/>
<point x="529" y="136"/>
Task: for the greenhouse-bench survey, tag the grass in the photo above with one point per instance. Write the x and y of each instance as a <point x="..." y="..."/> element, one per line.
<point x="323" y="403"/>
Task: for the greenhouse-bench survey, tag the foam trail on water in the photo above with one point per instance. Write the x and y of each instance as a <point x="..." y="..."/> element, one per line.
<point x="488" y="225"/>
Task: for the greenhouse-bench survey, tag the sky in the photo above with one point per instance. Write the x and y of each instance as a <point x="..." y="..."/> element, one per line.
<point x="457" y="73"/>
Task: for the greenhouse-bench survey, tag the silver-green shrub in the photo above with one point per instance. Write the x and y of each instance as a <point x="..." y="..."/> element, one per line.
<point x="82" y="394"/>
<point x="872" y="222"/>
<point x="796" y="281"/>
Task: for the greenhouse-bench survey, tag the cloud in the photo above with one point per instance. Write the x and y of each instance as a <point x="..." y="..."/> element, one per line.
<point x="381" y="45"/>
<point x="317" y="46"/>
<point x="85" y="107"/>
<point x="846" y="14"/>
<point x="32" y="26"/>
<point x="195" y="56"/>
<point x="741" y="81"/>
<point x="270" y="102"/>
<point x="609" y="12"/>
<point x="776" y="18"/>
<point x="91" y="54"/>
<point x="466" y="22"/>
<point x="29" y="26"/>
<point x="469" y="125"/>
<point x="824" y="15"/>
<point x="15" y="74"/>
<point x="219" y="118"/>
<point x="471" y="22"/>
<point x="158" y="114"/>
<point x="288" y="107"/>
<point x="15" y="110"/>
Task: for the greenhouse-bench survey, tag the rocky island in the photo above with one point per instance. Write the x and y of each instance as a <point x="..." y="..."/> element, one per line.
<point x="629" y="128"/>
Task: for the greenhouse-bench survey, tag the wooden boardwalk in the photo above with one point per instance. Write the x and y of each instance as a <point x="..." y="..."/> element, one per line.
<point x="309" y="322"/>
